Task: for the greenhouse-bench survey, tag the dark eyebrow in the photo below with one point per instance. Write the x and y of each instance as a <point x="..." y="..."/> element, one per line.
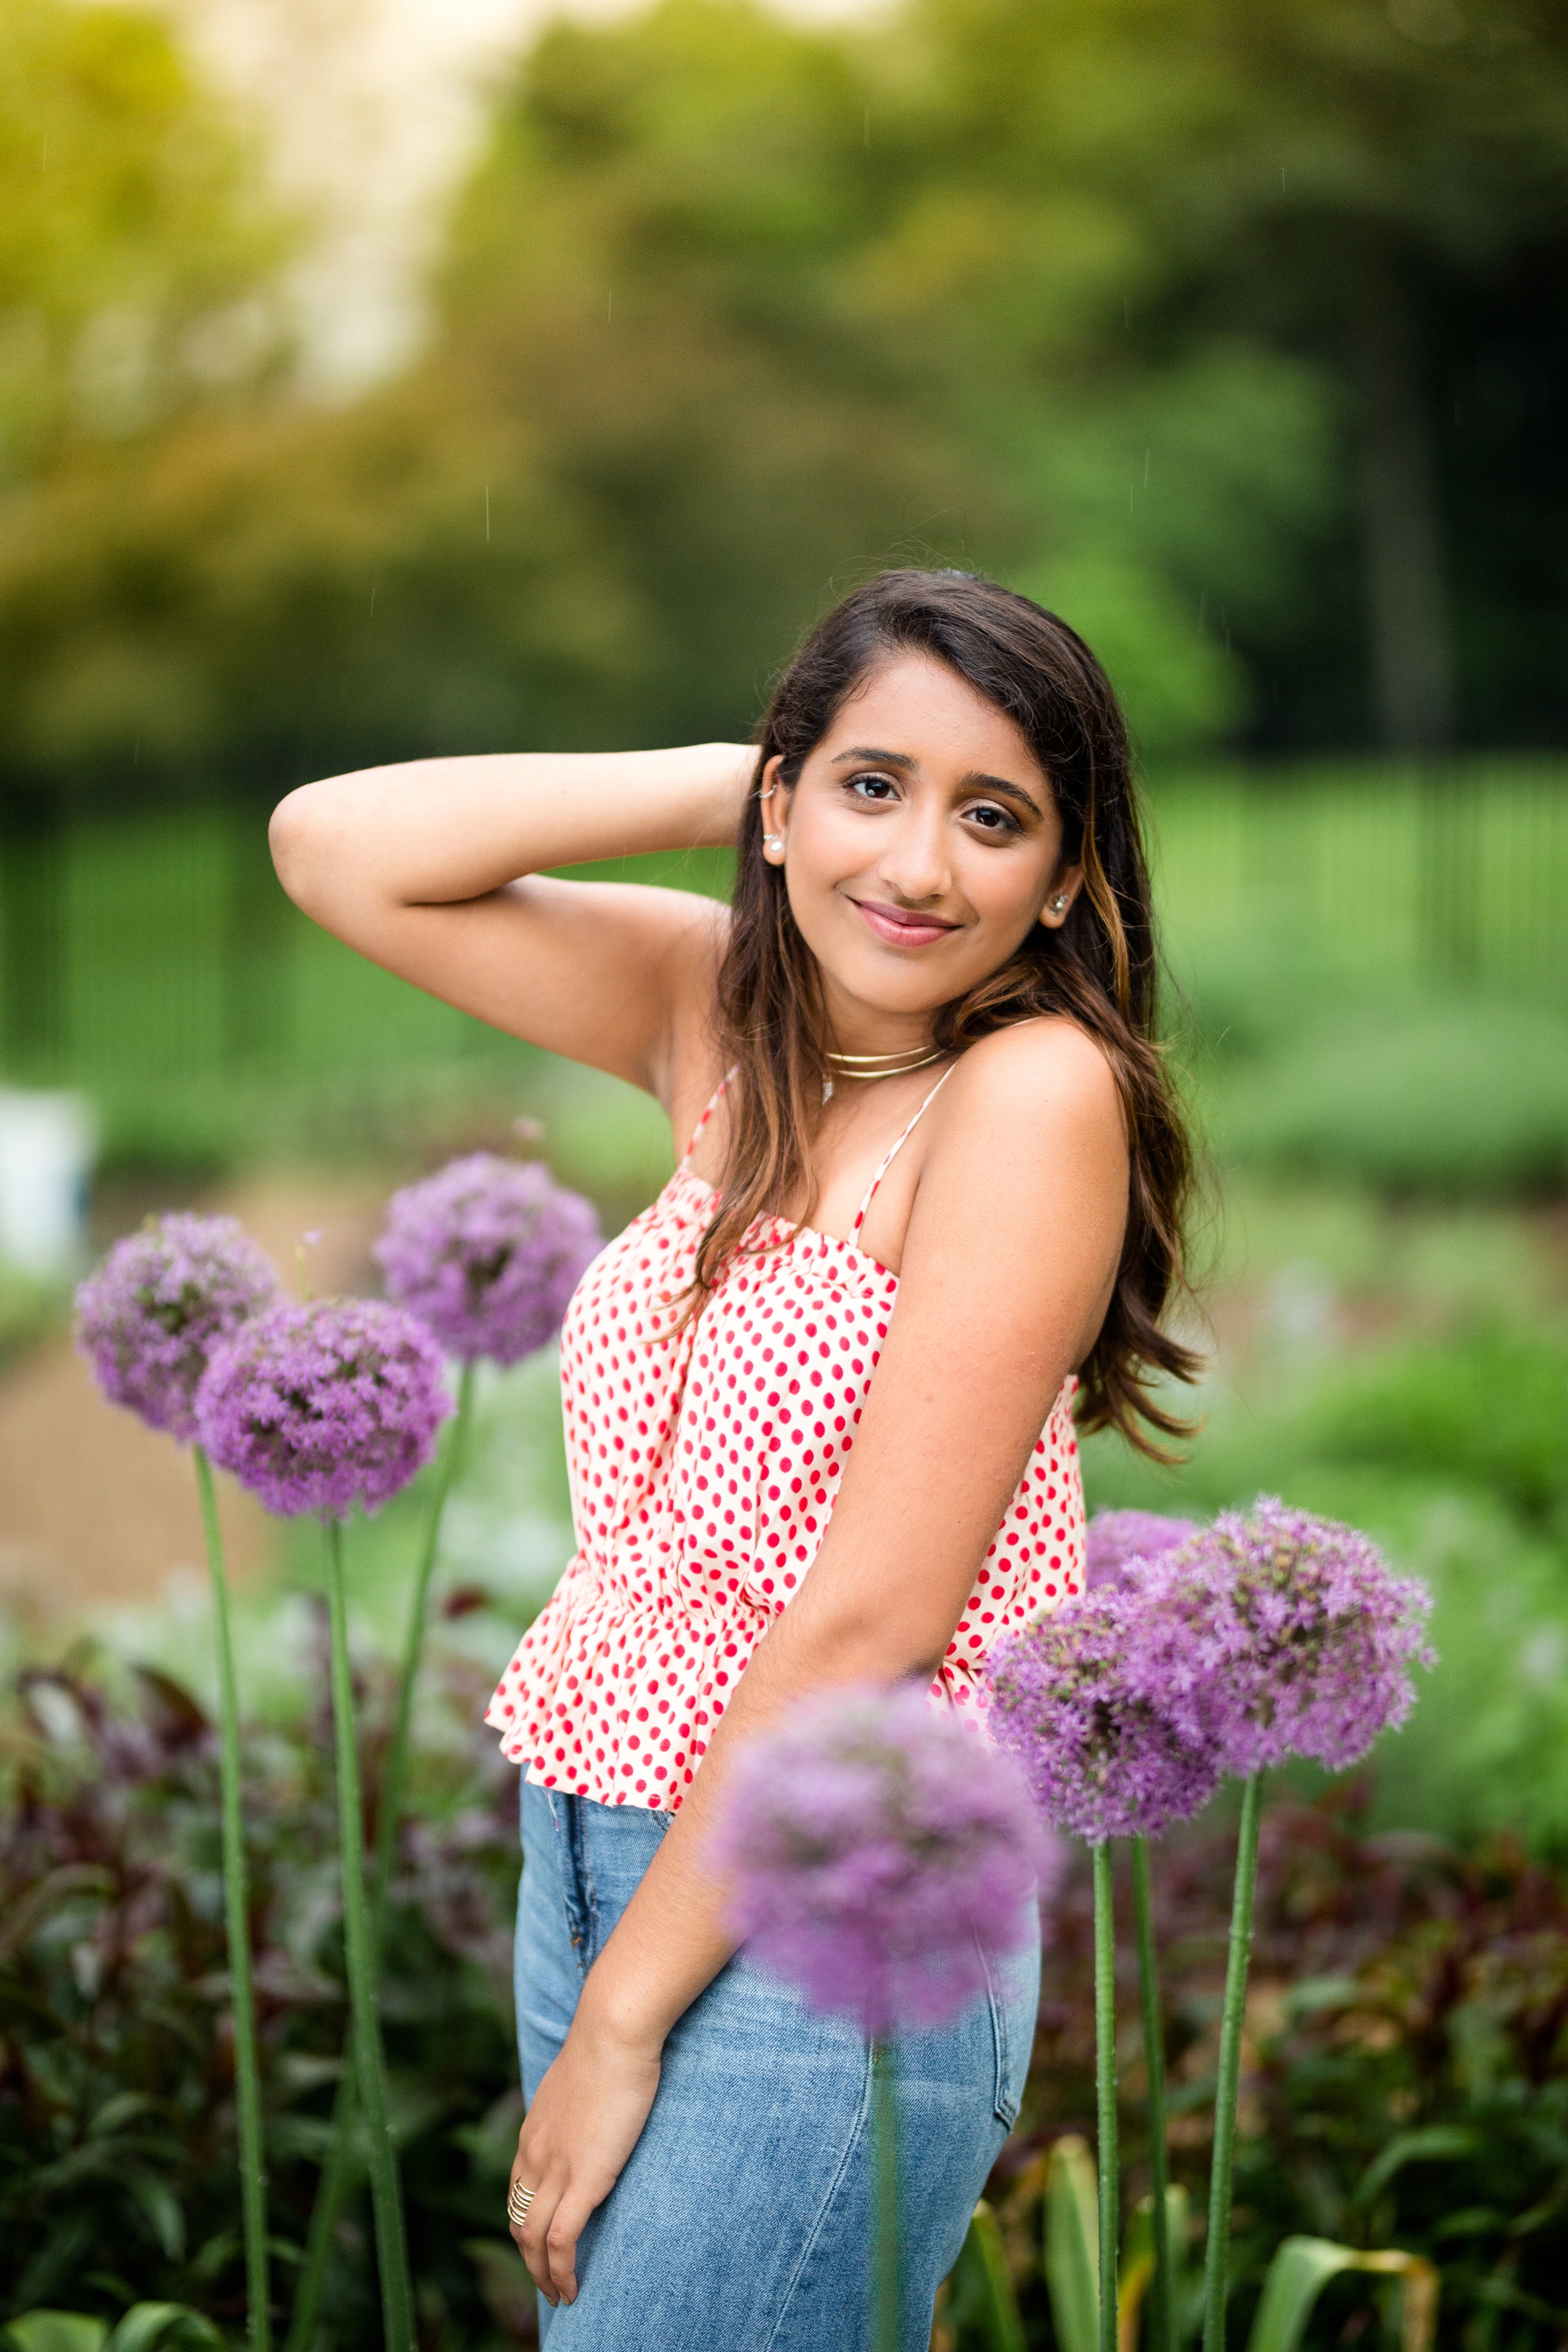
<point x="882" y="759"/>
<point x="973" y="783"/>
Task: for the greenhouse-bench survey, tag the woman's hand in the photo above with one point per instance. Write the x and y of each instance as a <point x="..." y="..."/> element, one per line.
<point x="586" y="2117"/>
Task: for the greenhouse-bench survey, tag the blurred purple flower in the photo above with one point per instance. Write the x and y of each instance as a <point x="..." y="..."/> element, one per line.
<point x="487" y="1252"/>
<point x="880" y="1855"/>
<point x="1101" y="1760"/>
<point x="320" y="1406"/>
<point x="1274" y="1633"/>
<point x="150" y="1314"/>
<point x="1117" y="1538"/>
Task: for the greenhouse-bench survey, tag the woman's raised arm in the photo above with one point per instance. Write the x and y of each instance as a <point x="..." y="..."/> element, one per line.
<point x="435" y="869"/>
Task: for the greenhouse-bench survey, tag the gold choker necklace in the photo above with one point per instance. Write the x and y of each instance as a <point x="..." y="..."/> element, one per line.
<point x="866" y="1066"/>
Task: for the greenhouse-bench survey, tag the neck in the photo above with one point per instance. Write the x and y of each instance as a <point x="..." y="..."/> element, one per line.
<point x="859" y="1032"/>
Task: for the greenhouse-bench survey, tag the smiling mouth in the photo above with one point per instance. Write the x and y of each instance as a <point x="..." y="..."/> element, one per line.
<point x="903" y="926"/>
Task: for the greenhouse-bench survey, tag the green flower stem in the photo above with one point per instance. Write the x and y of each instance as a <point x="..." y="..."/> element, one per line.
<point x="369" y="2066"/>
<point x="236" y="1910"/>
<point x="1105" y="2091"/>
<point x="1163" y="2301"/>
<point x="885" y="2141"/>
<point x="337" y="2173"/>
<point x="331" y="2188"/>
<point x="1216" y="2260"/>
<point x="395" y="1776"/>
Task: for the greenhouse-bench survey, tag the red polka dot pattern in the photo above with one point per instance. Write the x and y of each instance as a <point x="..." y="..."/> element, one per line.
<point x="704" y="1463"/>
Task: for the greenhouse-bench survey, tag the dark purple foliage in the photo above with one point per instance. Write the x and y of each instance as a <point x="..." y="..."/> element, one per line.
<point x="149" y="1315"/>
<point x="876" y="1852"/>
<point x="1101" y="1760"/>
<point x="318" y="1407"/>
<point x="487" y="1252"/>
<point x="1276" y="1633"/>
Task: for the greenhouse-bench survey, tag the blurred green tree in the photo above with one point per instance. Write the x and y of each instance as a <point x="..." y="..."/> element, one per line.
<point x="137" y="244"/>
<point x="1160" y="307"/>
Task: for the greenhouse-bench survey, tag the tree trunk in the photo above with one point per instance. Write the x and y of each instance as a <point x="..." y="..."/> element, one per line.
<point x="1410" y="663"/>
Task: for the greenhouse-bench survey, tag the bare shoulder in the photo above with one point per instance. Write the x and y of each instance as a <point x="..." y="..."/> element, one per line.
<point x="1035" y="1080"/>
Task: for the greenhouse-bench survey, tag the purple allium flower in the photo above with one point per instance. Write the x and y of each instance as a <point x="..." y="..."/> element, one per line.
<point x="318" y="1407"/>
<point x="149" y="1315"/>
<point x="1117" y="1539"/>
<point x="487" y="1252"/>
<point x="1274" y="1633"/>
<point x="1102" y="1759"/>
<point x="876" y="1851"/>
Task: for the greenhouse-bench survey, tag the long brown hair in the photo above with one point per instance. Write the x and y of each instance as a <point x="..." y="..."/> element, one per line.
<point x="1098" y="970"/>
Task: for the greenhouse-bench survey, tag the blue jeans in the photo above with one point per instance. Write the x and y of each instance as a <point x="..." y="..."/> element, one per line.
<point x="743" y="2221"/>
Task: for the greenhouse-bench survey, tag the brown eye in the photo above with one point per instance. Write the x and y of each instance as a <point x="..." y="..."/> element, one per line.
<point x="993" y="819"/>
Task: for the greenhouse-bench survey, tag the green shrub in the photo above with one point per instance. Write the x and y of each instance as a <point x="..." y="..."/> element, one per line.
<point x="1406" y="2081"/>
<point x="1451" y="1098"/>
<point x="117" y="2179"/>
<point x="1488" y="1410"/>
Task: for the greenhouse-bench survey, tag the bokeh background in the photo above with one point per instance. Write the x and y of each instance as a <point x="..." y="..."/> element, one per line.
<point x="398" y="378"/>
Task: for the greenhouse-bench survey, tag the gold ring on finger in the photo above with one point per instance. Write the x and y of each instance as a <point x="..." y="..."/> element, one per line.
<point x="518" y="2201"/>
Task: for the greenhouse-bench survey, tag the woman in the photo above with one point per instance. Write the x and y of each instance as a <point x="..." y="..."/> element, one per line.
<point x="925" y="1133"/>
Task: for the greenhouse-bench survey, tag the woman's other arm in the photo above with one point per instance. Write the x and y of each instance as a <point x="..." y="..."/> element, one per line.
<point x="1008" y="1265"/>
<point x="436" y="871"/>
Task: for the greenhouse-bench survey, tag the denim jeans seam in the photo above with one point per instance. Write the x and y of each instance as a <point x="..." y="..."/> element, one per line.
<point x="1002" y="2105"/>
<point x="587" y="1893"/>
<point x="852" y="2141"/>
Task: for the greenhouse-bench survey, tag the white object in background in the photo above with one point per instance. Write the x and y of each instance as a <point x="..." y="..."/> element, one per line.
<point x="47" y="1146"/>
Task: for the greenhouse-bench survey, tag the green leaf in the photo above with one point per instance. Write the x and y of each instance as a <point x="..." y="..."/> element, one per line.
<point x="1072" y="2245"/>
<point x="1438" y="2142"/>
<point x="1136" y="2277"/>
<point x="983" y="2291"/>
<point x="161" y="2206"/>
<point x="1303" y="2267"/>
<point x="168" y="2327"/>
<point x="72" y="1878"/>
<point x="55" y="2331"/>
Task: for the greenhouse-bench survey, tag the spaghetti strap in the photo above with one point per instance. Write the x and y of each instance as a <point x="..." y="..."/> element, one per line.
<point x="714" y="1100"/>
<point x="898" y="1147"/>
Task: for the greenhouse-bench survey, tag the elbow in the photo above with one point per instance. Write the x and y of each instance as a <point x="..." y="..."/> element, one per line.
<point x="855" y="1645"/>
<point x="294" y="836"/>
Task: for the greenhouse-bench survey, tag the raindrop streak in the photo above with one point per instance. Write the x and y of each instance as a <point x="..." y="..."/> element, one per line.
<point x="1147" y="454"/>
<point x="375" y="584"/>
<point x="486" y="529"/>
<point x="609" y="308"/>
<point x="868" y="126"/>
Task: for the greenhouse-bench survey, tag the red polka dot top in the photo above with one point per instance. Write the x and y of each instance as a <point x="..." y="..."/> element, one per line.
<point x="704" y="1460"/>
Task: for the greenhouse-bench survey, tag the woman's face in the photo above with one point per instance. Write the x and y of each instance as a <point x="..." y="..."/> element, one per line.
<point x="920" y="846"/>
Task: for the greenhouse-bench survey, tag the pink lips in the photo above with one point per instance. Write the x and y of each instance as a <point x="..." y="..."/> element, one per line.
<point x="901" y="927"/>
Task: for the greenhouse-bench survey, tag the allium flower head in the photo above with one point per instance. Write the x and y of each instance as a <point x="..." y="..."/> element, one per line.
<point x="1274" y="1633"/>
<point x="318" y="1407"/>
<point x="487" y="1252"/>
<point x="876" y="1851"/>
<point x="1120" y="1541"/>
<point x="150" y="1314"/>
<point x="1102" y="1757"/>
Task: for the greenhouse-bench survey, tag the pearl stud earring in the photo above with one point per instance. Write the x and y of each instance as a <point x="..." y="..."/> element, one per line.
<point x="1060" y="904"/>
<point x="773" y="841"/>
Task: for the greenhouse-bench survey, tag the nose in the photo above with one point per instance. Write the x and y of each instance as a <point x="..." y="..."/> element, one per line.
<point x="914" y="862"/>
